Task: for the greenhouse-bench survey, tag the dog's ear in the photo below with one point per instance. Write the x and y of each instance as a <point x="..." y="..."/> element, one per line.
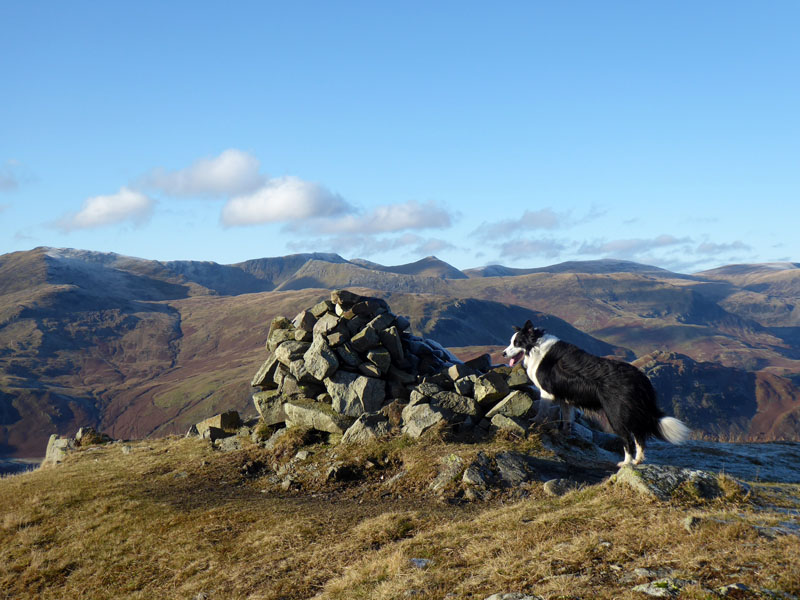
<point x="528" y="325"/>
<point x="515" y="328"/>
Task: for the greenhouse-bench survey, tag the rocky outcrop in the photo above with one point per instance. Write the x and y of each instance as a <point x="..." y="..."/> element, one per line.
<point x="341" y="363"/>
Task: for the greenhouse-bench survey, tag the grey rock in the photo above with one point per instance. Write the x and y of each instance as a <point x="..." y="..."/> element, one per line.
<point x="229" y="444"/>
<point x="320" y="360"/>
<point x="518" y="378"/>
<point x="280" y="329"/>
<point x="402" y="322"/>
<point x="365" y="428"/>
<point x="490" y="389"/>
<point x="299" y="370"/>
<point x="382" y="321"/>
<point x="269" y="405"/>
<point x="508" y="424"/>
<point x="301" y="335"/>
<point x="669" y="587"/>
<point x="479" y="472"/>
<point x="345" y="298"/>
<point x="456" y="403"/>
<point x="390" y="339"/>
<point x="662" y="481"/>
<point x="369" y="370"/>
<point x="228" y="420"/>
<point x="265" y="377"/>
<point x="274" y="438"/>
<point x="366" y="339"/>
<point x="213" y="434"/>
<point x="450" y="467"/>
<point x="353" y="395"/>
<point x="458" y="371"/>
<point x="57" y="449"/>
<point x="466" y="385"/>
<point x="421" y="563"/>
<point x="291" y="350"/>
<point x="736" y="589"/>
<point x="315" y="415"/>
<point x="336" y="338"/>
<point x="559" y="487"/>
<point x="322" y="308"/>
<point x="420" y="418"/>
<point x="327" y="324"/>
<point x="354" y="323"/>
<point x="348" y="355"/>
<point x="305" y="321"/>
<point x="381" y="358"/>
<point x="514" y="468"/>
<point x="583" y="433"/>
<point x="517" y="404"/>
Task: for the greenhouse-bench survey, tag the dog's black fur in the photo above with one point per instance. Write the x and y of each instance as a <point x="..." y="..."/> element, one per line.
<point x="566" y="374"/>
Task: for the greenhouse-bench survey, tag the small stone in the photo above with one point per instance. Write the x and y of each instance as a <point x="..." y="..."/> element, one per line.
<point x="315" y="415"/>
<point x="559" y="487"/>
<point x="459" y="371"/>
<point x="691" y="523"/>
<point x="265" y="377"/>
<point x="517" y="404"/>
<point x="291" y="350"/>
<point x="390" y="339"/>
<point x="345" y="298"/>
<point x="421" y="563"/>
<point x="366" y="427"/>
<point x="381" y="358"/>
<point x="269" y="405"/>
<point x="419" y="418"/>
<point x="480" y="363"/>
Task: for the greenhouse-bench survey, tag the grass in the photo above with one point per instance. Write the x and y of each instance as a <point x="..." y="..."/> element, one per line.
<point x="173" y="518"/>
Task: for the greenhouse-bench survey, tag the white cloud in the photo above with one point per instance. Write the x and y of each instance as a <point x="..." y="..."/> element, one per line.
<point x="712" y="248"/>
<point x="366" y="245"/>
<point x="631" y="247"/>
<point x="518" y="249"/>
<point x="387" y="219"/>
<point x="283" y="199"/>
<point x="232" y="172"/>
<point x="99" y="211"/>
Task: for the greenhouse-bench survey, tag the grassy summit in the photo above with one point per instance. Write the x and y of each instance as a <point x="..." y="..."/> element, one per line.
<point x="174" y="518"/>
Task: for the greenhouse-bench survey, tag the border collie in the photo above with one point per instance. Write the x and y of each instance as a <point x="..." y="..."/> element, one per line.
<point x="566" y="374"/>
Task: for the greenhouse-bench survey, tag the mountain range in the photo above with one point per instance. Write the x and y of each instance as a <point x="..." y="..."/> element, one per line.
<point x="140" y="347"/>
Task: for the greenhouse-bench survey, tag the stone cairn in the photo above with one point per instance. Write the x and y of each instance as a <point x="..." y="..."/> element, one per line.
<point x="350" y="366"/>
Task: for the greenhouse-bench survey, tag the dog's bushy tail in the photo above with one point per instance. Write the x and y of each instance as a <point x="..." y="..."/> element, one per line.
<point x="673" y="430"/>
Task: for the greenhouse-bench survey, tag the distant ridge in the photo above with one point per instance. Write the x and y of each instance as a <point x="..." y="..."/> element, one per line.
<point x="605" y="265"/>
<point x="430" y="266"/>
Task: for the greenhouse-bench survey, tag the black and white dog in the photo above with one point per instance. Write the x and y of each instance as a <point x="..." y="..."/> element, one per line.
<point x="566" y="374"/>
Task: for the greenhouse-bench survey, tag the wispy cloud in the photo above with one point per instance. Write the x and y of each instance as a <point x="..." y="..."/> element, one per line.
<point x="712" y="248"/>
<point x="545" y="219"/>
<point x="630" y="248"/>
<point x="521" y="249"/>
<point x="231" y="173"/>
<point x="367" y="245"/>
<point x="100" y="211"/>
<point x="284" y="199"/>
<point x="385" y="219"/>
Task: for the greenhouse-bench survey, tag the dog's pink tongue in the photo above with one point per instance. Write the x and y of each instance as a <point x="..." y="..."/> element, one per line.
<point x="514" y="360"/>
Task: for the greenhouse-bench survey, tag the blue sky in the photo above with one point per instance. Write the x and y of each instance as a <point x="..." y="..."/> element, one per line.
<point x="518" y="133"/>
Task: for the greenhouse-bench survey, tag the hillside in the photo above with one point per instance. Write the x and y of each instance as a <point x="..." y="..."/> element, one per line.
<point x="177" y="518"/>
<point x="143" y="347"/>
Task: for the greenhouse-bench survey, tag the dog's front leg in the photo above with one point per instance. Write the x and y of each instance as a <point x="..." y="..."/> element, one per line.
<point x="567" y="418"/>
<point x="543" y="411"/>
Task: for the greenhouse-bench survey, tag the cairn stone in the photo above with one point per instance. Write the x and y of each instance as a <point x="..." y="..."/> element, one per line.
<point x="490" y="388"/>
<point x="315" y="415"/>
<point x="305" y="321"/>
<point x="320" y="361"/>
<point x="365" y="428"/>
<point x="366" y="339"/>
<point x="291" y="350"/>
<point x="57" y="449"/>
<point x="323" y="307"/>
<point x="420" y="418"/>
<point x="280" y="330"/>
<point x="265" y="377"/>
<point x="228" y="420"/>
<point x="269" y="405"/>
<point x="354" y="395"/>
<point x="381" y="358"/>
<point x="345" y="298"/>
<point x="455" y="403"/>
<point x="390" y="339"/>
<point x="517" y="404"/>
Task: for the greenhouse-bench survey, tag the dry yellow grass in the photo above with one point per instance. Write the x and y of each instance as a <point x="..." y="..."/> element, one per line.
<point x="173" y="519"/>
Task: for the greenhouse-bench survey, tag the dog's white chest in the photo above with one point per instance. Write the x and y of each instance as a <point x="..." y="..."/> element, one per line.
<point x="534" y="358"/>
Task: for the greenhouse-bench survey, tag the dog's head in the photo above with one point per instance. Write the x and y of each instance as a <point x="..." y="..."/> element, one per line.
<point x="522" y="342"/>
